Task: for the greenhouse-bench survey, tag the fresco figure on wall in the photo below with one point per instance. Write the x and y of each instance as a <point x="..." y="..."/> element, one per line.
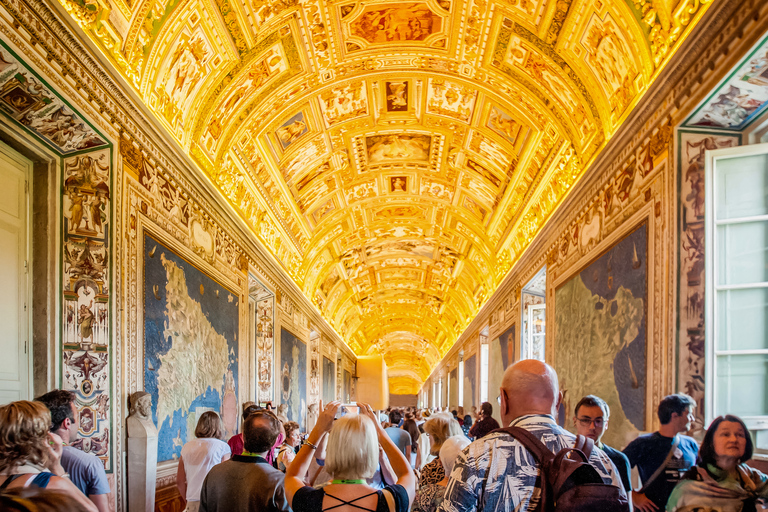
<point x="693" y="147"/>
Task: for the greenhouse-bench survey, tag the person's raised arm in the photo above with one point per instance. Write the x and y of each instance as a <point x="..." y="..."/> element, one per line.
<point x="401" y="467"/>
<point x="296" y="473"/>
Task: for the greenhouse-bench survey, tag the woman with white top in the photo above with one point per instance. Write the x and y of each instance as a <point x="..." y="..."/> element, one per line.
<point x="198" y="456"/>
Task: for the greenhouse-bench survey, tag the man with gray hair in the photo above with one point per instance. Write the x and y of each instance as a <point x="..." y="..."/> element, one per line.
<point x="497" y="473"/>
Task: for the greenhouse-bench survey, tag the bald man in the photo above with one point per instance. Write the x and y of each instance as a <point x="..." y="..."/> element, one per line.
<point x="496" y="473"/>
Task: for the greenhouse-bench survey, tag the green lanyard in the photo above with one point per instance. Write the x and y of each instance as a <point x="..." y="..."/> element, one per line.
<point x="358" y="481"/>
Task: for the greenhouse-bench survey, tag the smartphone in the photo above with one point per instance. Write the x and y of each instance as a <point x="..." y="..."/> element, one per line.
<point x="346" y="408"/>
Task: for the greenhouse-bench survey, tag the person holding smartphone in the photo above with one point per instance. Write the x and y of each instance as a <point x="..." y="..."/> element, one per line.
<point x="352" y="456"/>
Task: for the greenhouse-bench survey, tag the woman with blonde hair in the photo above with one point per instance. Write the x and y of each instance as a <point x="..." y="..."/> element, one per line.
<point x="352" y="456"/>
<point x="198" y="456"/>
<point x="30" y="453"/>
<point x="439" y="427"/>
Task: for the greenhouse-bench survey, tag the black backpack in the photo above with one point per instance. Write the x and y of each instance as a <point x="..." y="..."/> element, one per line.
<point x="568" y="484"/>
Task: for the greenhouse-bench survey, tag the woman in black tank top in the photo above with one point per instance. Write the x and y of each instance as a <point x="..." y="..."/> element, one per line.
<point x="352" y="456"/>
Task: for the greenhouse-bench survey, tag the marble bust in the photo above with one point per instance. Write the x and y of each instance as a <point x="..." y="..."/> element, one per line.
<point x="139" y="422"/>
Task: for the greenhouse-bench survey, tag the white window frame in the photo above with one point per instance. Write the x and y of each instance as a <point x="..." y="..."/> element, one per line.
<point x="711" y="288"/>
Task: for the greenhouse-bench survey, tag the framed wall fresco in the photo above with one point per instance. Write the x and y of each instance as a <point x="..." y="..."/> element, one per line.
<point x="293" y="376"/>
<point x="740" y="98"/>
<point x="453" y="388"/>
<point x="501" y="355"/>
<point x="265" y="347"/>
<point x="29" y="101"/>
<point x="328" y="381"/>
<point x="470" y="379"/>
<point x="601" y="326"/>
<point x="86" y="291"/>
<point x="191" y="346"/>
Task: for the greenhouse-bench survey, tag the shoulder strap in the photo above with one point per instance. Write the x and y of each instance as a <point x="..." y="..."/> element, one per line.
<point x="538" y="449"/>
<point x="584" y="445"/>
<point x="8" y="480"/>
<point x="390" y="500"/>
<point x="660" y="469"/>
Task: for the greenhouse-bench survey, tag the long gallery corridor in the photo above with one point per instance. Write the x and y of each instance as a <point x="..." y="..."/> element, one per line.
<point x="295" y="202"/>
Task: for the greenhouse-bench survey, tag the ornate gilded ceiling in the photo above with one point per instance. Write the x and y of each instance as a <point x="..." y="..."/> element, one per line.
<point x="395" y="157"/>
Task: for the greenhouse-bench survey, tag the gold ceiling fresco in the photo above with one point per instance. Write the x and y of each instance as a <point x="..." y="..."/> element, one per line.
<point x="395" y="157"/>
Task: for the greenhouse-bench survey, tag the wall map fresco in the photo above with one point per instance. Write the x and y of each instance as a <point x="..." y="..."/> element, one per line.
<point x="191" y="347"/>
<point x="601" y="312"/>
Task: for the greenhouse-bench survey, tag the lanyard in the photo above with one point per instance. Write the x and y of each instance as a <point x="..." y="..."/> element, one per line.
<point x="358" y="481"/>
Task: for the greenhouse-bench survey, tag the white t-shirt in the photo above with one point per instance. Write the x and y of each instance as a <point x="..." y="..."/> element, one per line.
<point x="199" y="456"/>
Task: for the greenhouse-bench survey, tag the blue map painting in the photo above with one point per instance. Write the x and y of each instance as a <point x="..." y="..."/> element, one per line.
<point x="191" y="324"/>
<point x="293" y="376"/>
<point x="600" y="325"/>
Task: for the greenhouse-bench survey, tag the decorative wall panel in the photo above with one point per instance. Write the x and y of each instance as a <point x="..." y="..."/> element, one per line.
<point x="691" y="148"/>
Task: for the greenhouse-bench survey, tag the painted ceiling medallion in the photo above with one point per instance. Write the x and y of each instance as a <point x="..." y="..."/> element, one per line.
<point x="395" y="157"/>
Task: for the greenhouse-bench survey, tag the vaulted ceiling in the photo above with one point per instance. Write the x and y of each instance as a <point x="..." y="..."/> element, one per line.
<point x="395" y="157"/>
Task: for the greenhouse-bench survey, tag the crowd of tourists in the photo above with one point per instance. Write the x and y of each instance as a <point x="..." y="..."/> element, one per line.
<point x="407" y="459"/>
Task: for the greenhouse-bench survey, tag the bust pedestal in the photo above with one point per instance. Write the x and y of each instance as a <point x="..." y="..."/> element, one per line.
<point x="141" y="461"/>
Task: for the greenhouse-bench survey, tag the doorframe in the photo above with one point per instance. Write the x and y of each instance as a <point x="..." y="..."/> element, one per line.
<point x="44" y="256"/>
<point x="27" y="167"/>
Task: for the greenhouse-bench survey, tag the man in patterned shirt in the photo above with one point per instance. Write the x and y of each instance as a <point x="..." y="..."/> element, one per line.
<point x="496" y="473"/>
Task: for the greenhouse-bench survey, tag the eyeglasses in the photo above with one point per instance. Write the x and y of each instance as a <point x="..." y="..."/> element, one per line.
<point x="585" y="422"/>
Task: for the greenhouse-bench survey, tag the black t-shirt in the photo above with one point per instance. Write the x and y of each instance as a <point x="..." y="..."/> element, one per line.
<point x="308" y="499"/>
<point x="622" y="465"/>
<point x="648" y="452"/>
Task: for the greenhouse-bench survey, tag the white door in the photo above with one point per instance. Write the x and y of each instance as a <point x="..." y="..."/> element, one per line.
<point x="15" y="171"/>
